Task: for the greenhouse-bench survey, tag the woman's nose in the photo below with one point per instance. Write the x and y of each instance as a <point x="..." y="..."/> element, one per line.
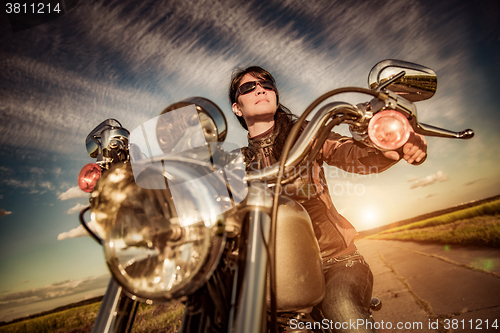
<point x="259" y="89"/>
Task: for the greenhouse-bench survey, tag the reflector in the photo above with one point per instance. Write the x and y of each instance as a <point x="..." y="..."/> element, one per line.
<point x="88" y="177"/>
<point x="389" y="130"/>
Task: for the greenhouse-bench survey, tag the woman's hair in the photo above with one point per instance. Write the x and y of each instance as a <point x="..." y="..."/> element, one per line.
<point x="283" y="119"/>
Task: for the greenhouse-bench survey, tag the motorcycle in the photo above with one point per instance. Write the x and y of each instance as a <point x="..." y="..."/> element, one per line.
<point x="180" y="219"/>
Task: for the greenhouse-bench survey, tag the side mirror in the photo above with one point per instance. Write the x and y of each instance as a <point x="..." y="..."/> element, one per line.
<point x="102" y="134"/>
<point x="213" y="122"/>
<point x="412" y="81"/>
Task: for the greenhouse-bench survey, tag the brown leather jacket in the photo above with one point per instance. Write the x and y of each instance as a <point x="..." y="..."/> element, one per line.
<point x="334" y="233"/>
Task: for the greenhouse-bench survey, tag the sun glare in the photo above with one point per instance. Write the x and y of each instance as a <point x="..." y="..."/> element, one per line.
<point x="370" y="216"/>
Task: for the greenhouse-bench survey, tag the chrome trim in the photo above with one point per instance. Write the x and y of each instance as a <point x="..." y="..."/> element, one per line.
<point x="390" y="81"/>
<point x="92" y="147"/>
<point x="396" y="102"/>
<point x="109" y="210"/>
<point x="117" y="311"/>
<point x="418" y="83"/>
<point x="430" y="130"/>
<point x="214" y="112"/>
<point x="109" y="134"/>
<point x="208" y="108"/>
<point x="251" y="310"/>
<point x="259" y="196"/>
<point x="92" y="143"/>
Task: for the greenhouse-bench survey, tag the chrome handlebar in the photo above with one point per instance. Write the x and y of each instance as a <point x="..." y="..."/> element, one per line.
<point x="333" y="110"/>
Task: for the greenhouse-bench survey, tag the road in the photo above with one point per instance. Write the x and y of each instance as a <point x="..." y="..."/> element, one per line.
<point x="434" y="288"/>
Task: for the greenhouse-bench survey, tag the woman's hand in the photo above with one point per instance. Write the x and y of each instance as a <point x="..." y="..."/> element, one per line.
<point x="414" y="150"/>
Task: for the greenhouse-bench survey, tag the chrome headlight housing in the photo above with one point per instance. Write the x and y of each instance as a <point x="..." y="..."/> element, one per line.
<point x="158" y="249"/>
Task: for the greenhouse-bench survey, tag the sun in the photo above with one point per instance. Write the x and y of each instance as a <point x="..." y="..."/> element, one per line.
<point x="367" y="217"/>
<point x="370" y="216"/>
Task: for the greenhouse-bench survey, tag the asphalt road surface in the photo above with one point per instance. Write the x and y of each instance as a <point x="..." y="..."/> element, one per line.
<point x="434" y="288"/>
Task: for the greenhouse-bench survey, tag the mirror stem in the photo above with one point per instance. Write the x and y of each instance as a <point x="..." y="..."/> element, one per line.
<point x="389" y="82"/>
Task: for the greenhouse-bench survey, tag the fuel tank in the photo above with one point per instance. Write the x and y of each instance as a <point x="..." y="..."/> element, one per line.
<point x="300" y="281"/>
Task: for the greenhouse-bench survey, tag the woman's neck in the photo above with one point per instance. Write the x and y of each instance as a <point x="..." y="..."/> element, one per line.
<point x="259" y="127"/>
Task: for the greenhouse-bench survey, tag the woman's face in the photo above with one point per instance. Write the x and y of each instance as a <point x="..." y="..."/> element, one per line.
<point x="257" y="105"/>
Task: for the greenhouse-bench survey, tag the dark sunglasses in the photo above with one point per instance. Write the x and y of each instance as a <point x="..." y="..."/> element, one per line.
<point x="250" y="86"/>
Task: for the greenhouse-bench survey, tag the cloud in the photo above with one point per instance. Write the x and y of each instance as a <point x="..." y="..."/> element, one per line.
<point x="184" y="46"/>
<point x="46" y="184"/>
<point x="56" y="290"/>
<point x="26" y="184"/>
<point x="429" y="180"/>
<point x="76" y="209"/>
<point x="72" y="193"/>
<point x="36" y="170"/>
<point x="77" y="232"/>
<point x="412" y="179"/>
<point x="3" y="212"/>
<point x="473" y="182"/>
<point x="73" y="233"/>
<point x="31" y="186"/>
<point x="50" y="129"/>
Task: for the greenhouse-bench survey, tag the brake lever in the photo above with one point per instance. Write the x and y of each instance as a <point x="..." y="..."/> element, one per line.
<point x="429" y="130"/>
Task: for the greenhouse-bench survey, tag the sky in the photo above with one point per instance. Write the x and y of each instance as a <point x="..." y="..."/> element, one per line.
<point x="130" y="59"/>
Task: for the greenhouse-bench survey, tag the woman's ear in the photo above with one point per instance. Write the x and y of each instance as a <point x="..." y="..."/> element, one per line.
<point x="237" y="110"/>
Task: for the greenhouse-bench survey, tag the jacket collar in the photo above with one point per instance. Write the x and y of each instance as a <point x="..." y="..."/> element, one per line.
<point x="267" y="140"/>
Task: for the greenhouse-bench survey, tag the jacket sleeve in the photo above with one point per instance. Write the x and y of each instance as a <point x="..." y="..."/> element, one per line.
<point x="352" y="156"/>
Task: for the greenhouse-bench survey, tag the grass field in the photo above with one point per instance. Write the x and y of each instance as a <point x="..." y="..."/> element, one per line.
<point x="479" y="225"/>
<point x="159" y="318"/>
<point x="76" y="320"/>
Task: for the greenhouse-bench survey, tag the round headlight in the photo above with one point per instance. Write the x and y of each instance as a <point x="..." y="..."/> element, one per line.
<point x="159" y="244"/>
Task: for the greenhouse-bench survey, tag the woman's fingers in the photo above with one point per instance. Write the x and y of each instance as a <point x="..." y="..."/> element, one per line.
<point x="415" y="149"/>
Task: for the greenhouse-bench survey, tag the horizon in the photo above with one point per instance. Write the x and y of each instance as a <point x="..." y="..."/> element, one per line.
<point x="129" y="60"/>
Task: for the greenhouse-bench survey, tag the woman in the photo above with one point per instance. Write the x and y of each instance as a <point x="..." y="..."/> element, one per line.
<point x="349" y="281"/>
